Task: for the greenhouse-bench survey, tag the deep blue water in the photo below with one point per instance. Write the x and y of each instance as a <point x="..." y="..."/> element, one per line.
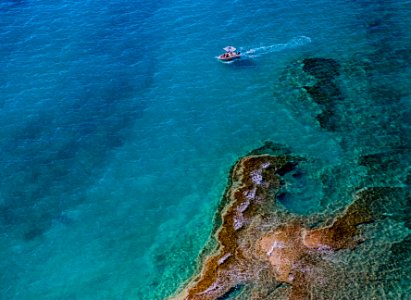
<point x="118" y="127"/>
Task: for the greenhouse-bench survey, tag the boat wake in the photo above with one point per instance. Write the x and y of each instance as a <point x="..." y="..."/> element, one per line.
<point x="293" y="43"/>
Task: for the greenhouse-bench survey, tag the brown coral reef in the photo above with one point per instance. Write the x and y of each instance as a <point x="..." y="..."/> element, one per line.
<point x="265" y="252"/>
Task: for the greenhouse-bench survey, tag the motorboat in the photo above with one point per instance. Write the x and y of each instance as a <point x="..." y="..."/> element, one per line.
<point x="230" y="54"/>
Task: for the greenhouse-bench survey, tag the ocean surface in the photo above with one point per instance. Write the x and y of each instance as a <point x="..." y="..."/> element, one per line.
<point x="118" y="128"/>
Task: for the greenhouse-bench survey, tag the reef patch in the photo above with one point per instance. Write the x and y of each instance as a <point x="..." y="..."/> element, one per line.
<point x="265" y="252"/>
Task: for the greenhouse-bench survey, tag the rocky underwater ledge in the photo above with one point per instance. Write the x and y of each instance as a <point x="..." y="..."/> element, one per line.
<point x="265" y="252"/>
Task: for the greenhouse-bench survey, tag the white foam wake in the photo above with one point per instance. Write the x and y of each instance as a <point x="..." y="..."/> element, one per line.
<point x="293" y="43"/>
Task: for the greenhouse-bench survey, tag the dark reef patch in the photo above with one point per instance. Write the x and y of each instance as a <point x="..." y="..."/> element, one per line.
<point x="326" y="120"/>
<point x="382" y="162"/>
<point x="325" y="91"/>
<point x="316" y="80"/>
<point x="324" y="69"/>
<point x="287" y="168"/>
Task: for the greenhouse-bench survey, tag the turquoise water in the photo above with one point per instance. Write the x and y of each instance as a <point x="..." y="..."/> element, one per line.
<point x="118" y="127"/>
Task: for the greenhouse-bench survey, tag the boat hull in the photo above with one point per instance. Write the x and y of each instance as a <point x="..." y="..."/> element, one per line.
<point x="234" y="57"/>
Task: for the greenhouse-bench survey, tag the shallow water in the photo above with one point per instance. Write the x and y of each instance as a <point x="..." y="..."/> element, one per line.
<point x="119" y="127"/>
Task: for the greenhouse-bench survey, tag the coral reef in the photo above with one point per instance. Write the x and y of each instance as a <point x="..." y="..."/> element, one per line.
<point x="352" y="99"/>
<point x="254" y="181"/>
<point x="325" y="91"/>
<point x="265" y="252"/>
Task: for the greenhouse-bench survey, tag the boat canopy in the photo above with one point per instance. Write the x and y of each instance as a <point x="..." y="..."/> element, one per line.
<point x="229" y="49"/>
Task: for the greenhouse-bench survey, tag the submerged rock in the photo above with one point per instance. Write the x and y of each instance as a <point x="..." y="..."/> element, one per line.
<point x="313" y="87"/>
<point x="265" y="252"/>
<point x="231" y="265"/>
<point x="325" y="91"/>
<point x="321" y="68"/>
